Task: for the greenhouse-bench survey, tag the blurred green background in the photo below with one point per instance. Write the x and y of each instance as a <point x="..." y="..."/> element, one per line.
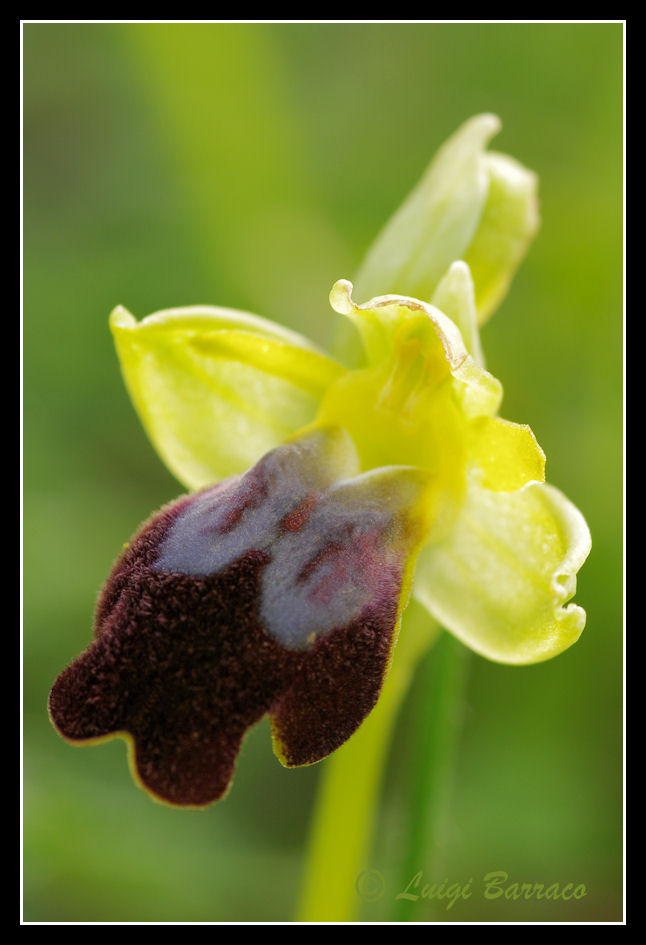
<point x="250" y="165"/>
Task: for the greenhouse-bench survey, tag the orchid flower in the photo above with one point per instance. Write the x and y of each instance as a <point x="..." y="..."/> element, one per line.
<point x="323" y="494"/>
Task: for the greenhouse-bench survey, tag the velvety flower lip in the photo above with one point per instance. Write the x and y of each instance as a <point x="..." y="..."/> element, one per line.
<point x="275" y="592"/>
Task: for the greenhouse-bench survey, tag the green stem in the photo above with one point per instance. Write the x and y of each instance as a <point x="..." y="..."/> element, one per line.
<point x="437" y="715"/>
<point x="350" y="788"/>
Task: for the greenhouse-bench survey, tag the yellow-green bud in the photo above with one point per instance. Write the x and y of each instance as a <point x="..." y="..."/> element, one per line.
<point x="470" y="204"/>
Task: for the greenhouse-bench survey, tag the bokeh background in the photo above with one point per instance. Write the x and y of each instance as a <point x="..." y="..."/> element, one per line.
<point x="250" y="165"/>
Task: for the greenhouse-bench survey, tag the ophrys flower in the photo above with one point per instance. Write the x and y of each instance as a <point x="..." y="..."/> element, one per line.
<point x="326" y="495"/>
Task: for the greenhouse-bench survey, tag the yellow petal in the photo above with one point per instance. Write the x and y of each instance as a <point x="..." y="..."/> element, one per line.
<point x="499" y="581"/>
<point x="215" y="388"/>
<point x="455" y="296"/>
<point x="508" y="226"/>
<point x="506" y="454"/>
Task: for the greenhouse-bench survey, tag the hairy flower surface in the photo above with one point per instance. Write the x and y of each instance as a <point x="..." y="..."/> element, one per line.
<point x="324" y="495"/>
<point x="277" y="591"/>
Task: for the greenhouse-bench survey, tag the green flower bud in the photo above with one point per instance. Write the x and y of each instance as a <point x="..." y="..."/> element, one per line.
<point x="470" y="204"/>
